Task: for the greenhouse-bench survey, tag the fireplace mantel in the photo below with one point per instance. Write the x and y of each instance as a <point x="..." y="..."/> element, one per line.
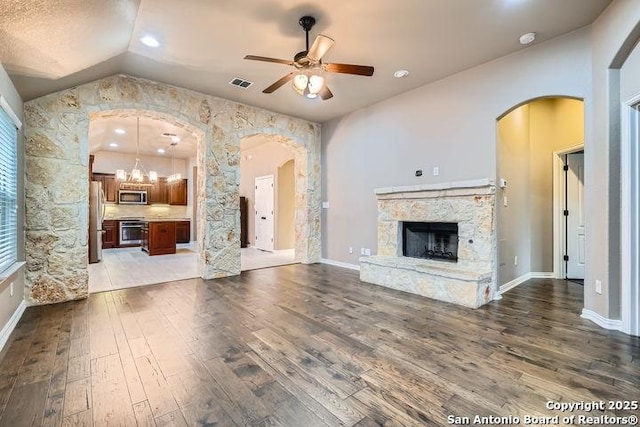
<point x="471" y="280"/>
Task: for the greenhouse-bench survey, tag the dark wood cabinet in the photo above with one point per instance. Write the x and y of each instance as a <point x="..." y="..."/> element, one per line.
<point x="183" y="231"/>
<point x="178" y="193"/>
<point x="244" y="231"/>
<point x="161" y="238"/>
<point x="110" y="186"/>
<point x="158" y="193"/>
<point x="110" y="234"/>
<point x="144" y="237"/>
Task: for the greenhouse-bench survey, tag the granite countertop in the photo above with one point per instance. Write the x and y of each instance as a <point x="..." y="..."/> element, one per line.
<point x="146" y="219"/>
<point x="165" y="219"/>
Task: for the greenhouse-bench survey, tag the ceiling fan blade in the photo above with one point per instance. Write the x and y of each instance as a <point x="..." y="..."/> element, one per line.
<point x="325" y="93"/>
<point x="267" y="59"/>
<point x="360" y="70"/>
<point x="280" y="83"/>
<point x="319" y="47"/>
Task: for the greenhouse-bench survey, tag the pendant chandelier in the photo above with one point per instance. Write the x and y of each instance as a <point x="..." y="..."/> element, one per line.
<point x="174" y="178"/>
<point x="138" y="172"/>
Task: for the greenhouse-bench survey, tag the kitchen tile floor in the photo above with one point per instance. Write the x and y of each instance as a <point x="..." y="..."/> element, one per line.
<point x="130" y="267"/>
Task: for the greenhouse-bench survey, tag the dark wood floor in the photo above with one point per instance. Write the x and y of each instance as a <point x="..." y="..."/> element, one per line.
<point x="307" y="346"/>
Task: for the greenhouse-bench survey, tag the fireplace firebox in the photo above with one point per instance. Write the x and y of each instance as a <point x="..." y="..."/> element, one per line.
<point x="430" y="240"/>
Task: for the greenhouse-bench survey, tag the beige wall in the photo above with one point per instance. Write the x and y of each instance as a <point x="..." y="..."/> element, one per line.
<point x="285" y="206"/>
<point x="514" y="220"/>
<point x="450" y="124"/>
<point x="615" y="32"/>
<point x="527" y="139"/>
<point x="255" y="162"/>
<point x="8" y="303"/>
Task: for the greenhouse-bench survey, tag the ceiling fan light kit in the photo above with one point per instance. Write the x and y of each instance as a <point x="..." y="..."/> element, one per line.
<point x="308" y="80"/>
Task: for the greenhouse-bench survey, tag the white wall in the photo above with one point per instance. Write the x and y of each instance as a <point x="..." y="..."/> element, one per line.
<point x="8" y="303"/>
<point x="450" y="124"/>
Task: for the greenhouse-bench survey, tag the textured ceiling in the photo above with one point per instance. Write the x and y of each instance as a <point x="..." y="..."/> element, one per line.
<point x="48" y="45"/>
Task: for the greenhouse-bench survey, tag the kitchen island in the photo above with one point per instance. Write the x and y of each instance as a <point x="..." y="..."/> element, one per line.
<point x="159" y="236"/>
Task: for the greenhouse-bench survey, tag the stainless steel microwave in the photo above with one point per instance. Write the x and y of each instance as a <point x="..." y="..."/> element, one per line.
<point x="132" y="197"/>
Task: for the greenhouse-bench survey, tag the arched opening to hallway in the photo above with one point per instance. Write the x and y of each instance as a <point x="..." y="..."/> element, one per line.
<point x="535" y="237"/>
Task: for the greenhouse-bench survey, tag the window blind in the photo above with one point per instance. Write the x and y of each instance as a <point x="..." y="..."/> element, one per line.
<point x="8" y="191"/>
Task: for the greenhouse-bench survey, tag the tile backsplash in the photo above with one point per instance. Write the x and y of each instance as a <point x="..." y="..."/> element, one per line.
<point x="146" y="211"/>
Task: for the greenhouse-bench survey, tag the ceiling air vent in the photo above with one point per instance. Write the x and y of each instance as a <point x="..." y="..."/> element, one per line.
<point x="236" y="81"/>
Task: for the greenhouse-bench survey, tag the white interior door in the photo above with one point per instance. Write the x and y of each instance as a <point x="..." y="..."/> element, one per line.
<point x="575" y="219"/>
<point x="264" y="205"/>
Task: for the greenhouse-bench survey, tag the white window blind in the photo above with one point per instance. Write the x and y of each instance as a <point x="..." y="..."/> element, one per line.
<point x="8" y="191"/>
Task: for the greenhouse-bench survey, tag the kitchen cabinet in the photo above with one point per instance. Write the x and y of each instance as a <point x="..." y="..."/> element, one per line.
<point x="110" y="186"/>
<point x="178" y="193"/>
<point x="183" y="231"/>
<point x="110" y="234"/>
<point x="161" y="237"/>
<point x="158" y="193"/>
<point x="144" y="237"/>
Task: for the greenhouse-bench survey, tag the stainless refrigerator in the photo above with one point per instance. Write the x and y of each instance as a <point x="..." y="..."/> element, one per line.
<point x="96" y="215"/>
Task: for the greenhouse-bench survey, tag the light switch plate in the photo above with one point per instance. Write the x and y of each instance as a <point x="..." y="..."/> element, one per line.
<point x="436" y="171"/>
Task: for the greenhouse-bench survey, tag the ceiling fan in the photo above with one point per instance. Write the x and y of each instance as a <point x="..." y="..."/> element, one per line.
<point x="307" y="78"/>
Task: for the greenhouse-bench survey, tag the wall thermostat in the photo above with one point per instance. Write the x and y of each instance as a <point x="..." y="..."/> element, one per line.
<point x="502" y="183"/>
<point x="419" y="172"/>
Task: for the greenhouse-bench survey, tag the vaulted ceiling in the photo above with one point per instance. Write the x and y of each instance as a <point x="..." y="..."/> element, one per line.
<point x="48" y="45"/>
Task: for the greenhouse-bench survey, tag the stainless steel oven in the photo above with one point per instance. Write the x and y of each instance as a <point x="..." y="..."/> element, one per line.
<point x="131" y="232"/>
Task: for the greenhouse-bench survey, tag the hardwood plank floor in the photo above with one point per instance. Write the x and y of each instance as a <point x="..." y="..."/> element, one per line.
<point x="308" y="346"/>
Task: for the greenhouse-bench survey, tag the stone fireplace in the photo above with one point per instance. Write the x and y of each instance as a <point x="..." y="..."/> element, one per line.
<point x="436" y="240"/>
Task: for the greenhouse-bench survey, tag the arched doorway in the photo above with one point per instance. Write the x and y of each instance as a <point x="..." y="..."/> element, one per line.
<point x="531" y="137"/>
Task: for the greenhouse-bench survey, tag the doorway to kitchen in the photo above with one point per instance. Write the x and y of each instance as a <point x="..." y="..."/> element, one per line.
<point x="136" y="211"/>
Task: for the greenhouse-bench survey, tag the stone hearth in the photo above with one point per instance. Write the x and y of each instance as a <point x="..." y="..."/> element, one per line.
<point x="471" y="280"/>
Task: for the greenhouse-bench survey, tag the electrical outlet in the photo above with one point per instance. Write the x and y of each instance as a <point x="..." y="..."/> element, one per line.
<point x="11" y="289"/>
<point x="361" y="251"/>
<point x="436" y="171"/>
<point x="350" y="250"/>
<point x="515" y="260"/>
<point x="367" y="252"/>
<point x="599" y="287"/>
<point x="504" y="200"/>
<point x="325" y="205"/>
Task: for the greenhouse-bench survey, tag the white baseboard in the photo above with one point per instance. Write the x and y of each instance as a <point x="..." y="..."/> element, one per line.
<point x="11" y="324"/>
<point x="527" y="276"/>
<point x="603" y="322"/>
<point x="340" y="264"/>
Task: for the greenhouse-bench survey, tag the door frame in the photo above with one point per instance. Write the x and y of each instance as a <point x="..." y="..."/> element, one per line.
<point x="559" y="223"/>
<point x="629" y="222"/>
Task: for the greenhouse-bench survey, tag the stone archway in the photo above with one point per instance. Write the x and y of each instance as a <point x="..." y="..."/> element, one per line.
<point x="56" y="185"/>
<point x="302" y="170"/>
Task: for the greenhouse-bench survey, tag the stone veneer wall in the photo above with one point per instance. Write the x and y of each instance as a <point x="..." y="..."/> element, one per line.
<point x="56" y="185"/>
<point x="471" y="280"/>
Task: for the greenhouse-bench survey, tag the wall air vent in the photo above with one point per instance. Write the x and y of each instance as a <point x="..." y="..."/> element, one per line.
<point x="236" y="81"/>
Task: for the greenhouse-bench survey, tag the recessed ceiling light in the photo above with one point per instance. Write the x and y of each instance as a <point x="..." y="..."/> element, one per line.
<point x="161" y="150"/>
<point x="150" y="41"/>
<point x="400" y="74"/>
<point x="527" y="38"/>
<point x="113" y="144"/>
<point x="120" y="131"/>
<point x="175" y="138"/>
